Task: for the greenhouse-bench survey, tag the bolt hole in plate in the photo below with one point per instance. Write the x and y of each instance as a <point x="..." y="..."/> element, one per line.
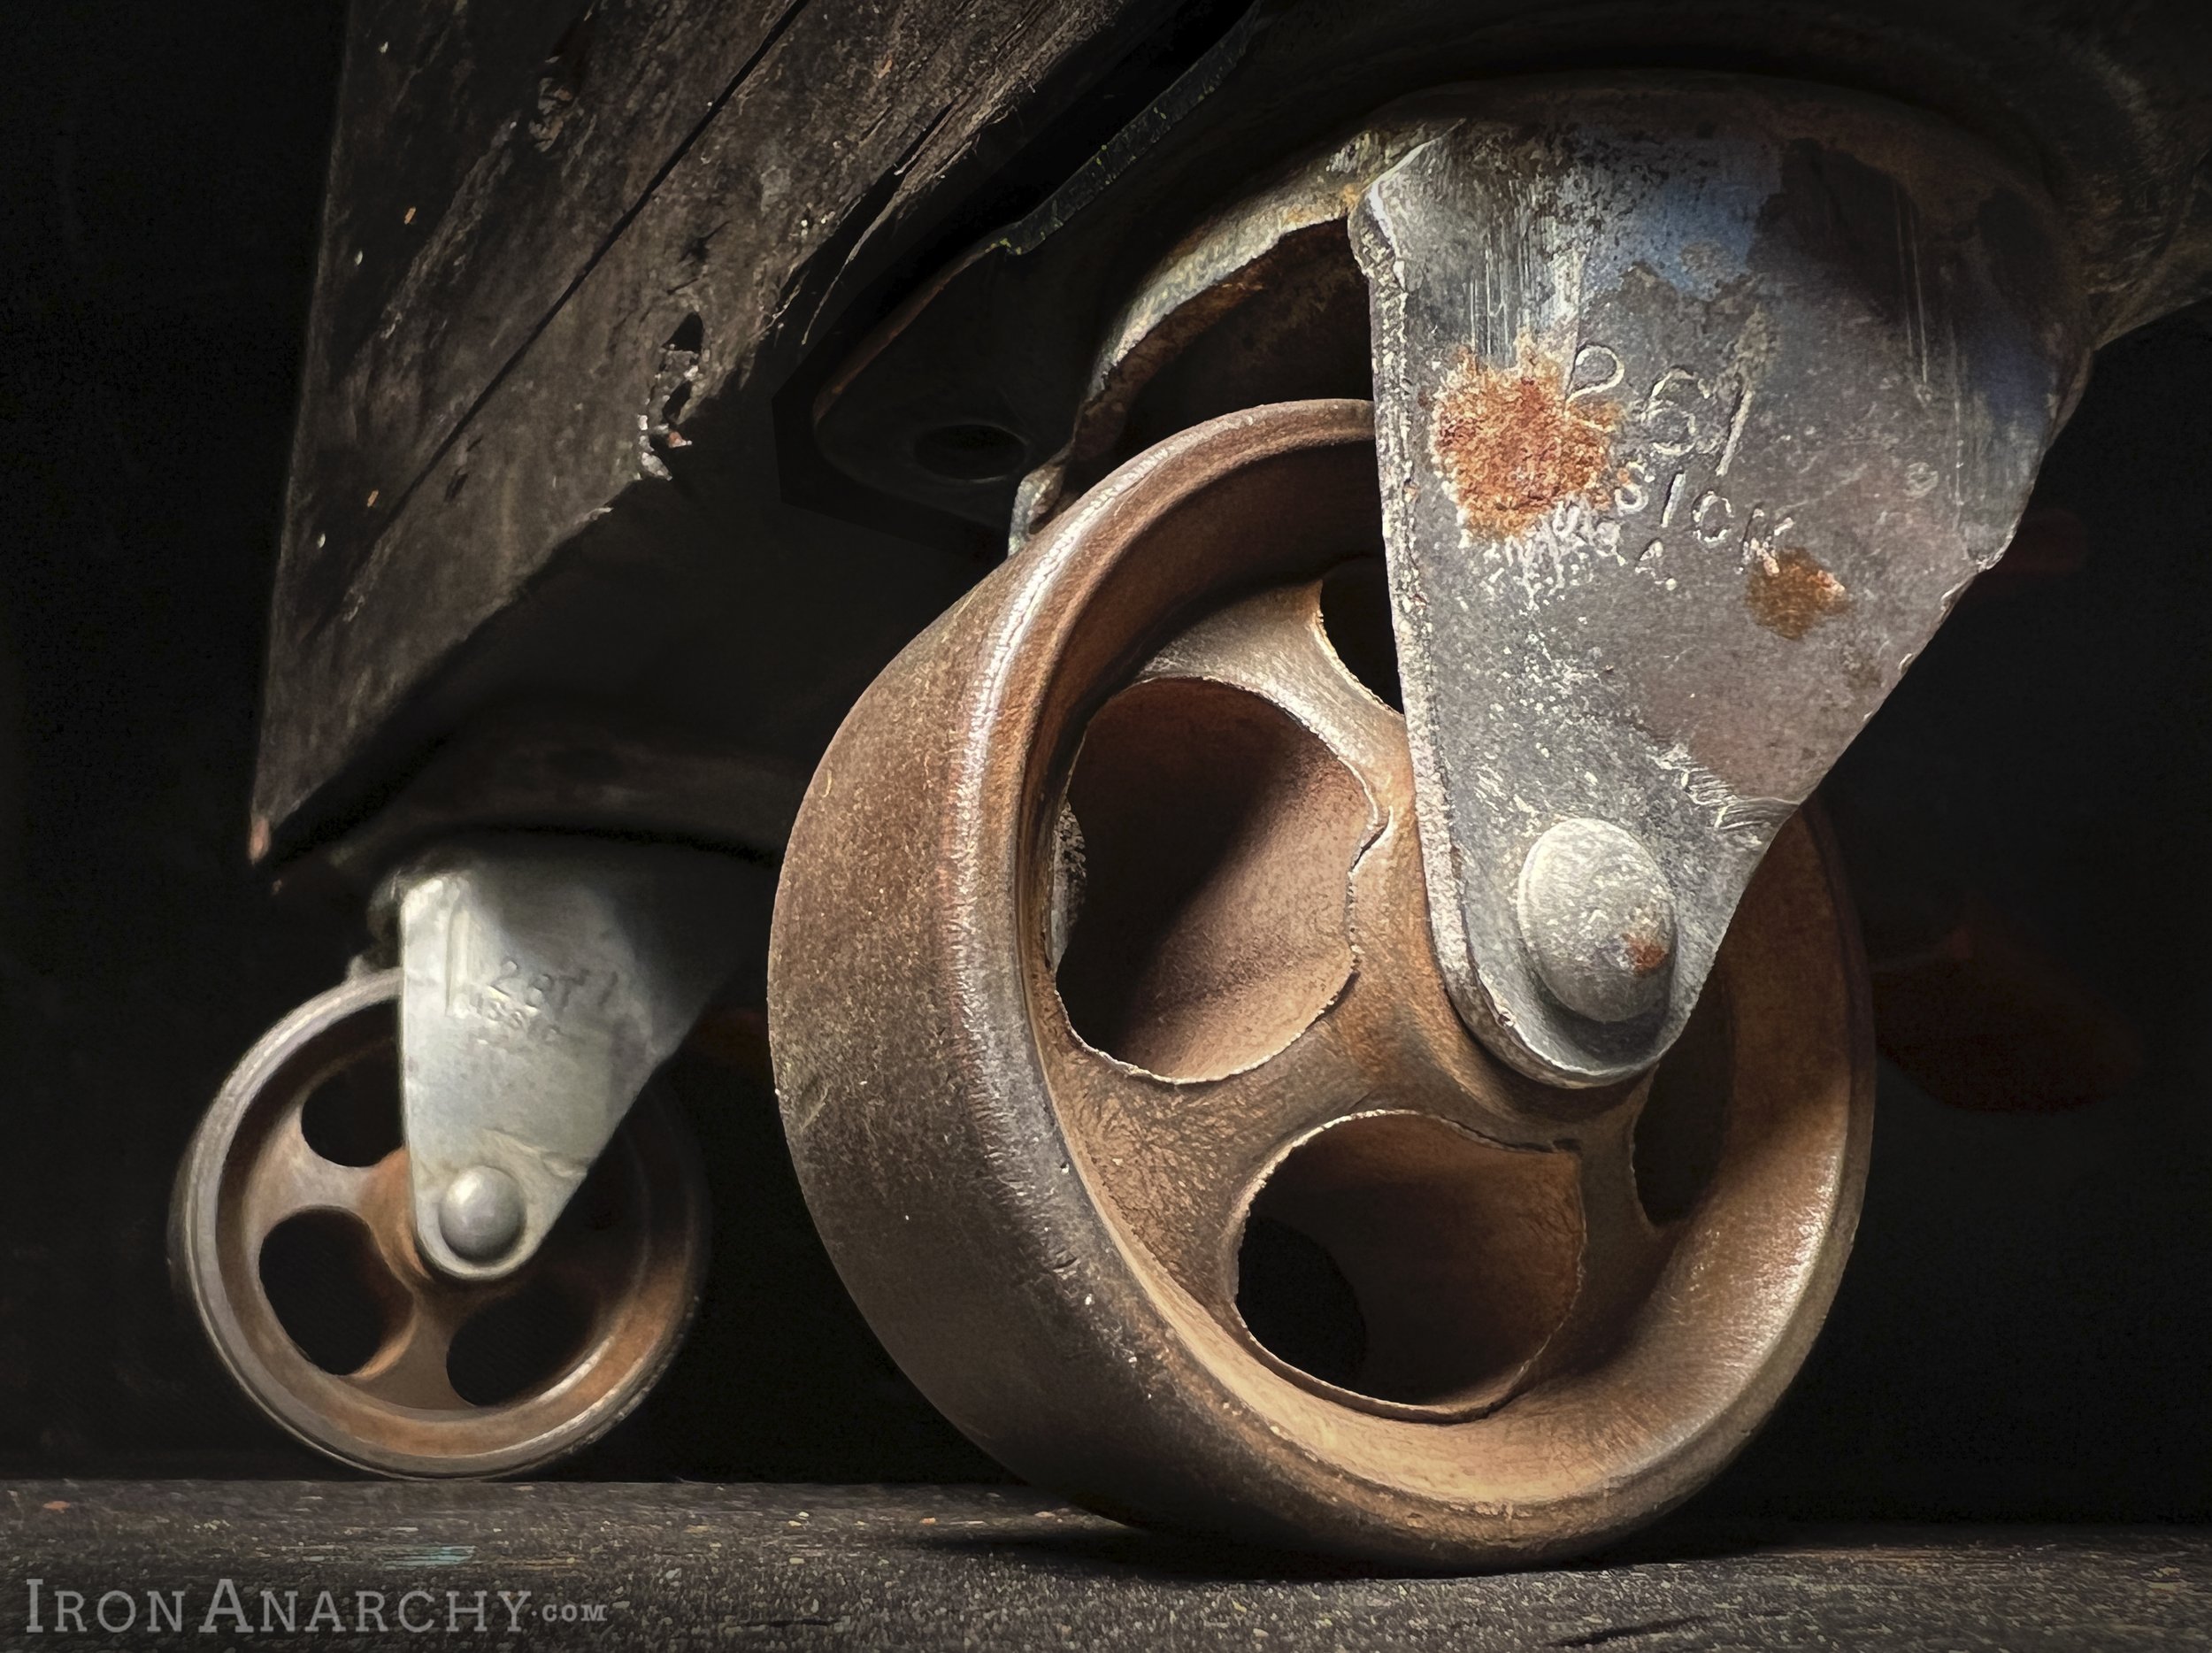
<point x="1198" y="1203"/>
<point x="292" y="1237"/>
<point x="970" y="453"/>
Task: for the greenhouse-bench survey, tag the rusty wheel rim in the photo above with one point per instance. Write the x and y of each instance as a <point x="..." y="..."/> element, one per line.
<point x="290" y="1236"/>
<point x="1038" y="1173"/>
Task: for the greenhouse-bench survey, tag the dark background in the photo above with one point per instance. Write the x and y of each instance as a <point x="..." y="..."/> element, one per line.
<point x="2027" y="1325"/>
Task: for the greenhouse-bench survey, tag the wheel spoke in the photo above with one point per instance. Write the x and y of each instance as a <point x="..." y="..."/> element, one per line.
<point x="410" y="1369"/>
<point x="1181" y="1158"/>
<point x="1274" y="645"/>
<point x="289" y="1177"/>
<point x="1620" y="1254"/>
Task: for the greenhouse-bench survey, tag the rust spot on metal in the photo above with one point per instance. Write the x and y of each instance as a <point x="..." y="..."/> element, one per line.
<point x="1790" y="593"/>
<point x="1646" y="952"/>
<point x="1511" y="446"/>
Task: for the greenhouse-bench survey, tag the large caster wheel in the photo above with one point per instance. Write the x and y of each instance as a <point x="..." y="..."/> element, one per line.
<point x="1122" y="1082"/>
<point x="291" y="1236"/>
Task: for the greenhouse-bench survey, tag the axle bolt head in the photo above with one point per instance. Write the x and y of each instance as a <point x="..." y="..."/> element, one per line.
<point x="1598" y="920"/>
<point x="480" y="1214"/>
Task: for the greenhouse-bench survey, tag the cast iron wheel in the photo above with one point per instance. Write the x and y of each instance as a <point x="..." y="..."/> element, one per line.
<point x="291" y="1236"/>
<point x="1122" y="1084"/>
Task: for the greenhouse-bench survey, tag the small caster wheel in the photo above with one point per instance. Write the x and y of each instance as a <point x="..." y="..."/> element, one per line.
<point x="1123" y="1084"/>
<point x="291" y="1236"/>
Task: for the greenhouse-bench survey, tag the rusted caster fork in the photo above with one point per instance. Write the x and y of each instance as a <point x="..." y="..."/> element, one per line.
<point x="1697" y="406"/>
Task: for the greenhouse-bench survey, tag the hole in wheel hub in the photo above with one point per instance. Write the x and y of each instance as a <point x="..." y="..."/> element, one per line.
<point x="1457" y="1259"/>
<point x="1217" y="841"/>
<point x="352" y="1118"/>
<point x="330" y="1291"/>
<point x="1356" y="618"/>
<point x="519" y="1345"/>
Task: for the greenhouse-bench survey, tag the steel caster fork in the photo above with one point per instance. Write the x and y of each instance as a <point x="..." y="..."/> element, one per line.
<point x="439" y="1222"/>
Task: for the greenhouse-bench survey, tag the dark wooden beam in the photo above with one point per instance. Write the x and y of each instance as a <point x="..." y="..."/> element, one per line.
<point x="631" y="220"/>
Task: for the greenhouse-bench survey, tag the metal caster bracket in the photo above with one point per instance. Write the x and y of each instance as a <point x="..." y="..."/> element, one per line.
<point x="545" y="979"/>
<point x="1698" y="405"/>
<point x="1699" y="399"/>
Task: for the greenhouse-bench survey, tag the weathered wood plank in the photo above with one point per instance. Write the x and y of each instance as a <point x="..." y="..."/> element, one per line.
<point x="825" y="158"/>
<point x="484" y="158"/>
